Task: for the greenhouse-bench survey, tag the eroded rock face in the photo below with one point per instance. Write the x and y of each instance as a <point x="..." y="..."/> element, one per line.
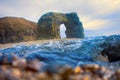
<point x="49" y="25"/>
<point x="14" y="29"/>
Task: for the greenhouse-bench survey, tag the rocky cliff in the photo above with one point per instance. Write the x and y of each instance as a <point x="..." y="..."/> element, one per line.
<point x="49" y="25"/>
<point x="14" y="29"/>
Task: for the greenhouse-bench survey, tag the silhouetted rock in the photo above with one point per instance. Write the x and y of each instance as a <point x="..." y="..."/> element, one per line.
<point x="113" y="53"/>
<point x="49" y="25"/>
<point x="14" y="29"/>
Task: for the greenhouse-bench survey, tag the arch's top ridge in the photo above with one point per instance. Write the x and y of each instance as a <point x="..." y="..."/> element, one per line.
<point x="56" y="14"/>
<point x="49" y="24"/>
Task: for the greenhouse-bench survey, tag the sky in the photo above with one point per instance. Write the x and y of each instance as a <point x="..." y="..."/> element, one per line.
<point x="99" y="17"/>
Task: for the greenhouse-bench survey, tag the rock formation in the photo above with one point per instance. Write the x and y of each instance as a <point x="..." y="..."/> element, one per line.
<point x="111" y="48"/>
<point x="49" y="25"/>
<point x="113" y="53"/>
<point x="14" y="29"/>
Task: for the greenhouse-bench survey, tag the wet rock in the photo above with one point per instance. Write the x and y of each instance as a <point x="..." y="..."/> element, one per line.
<point x="65" y="72"/>
<point x="117" y="74"/>
<point x="78" y="70"/>
<point x="113" y="53"/>
<point x="33" y="65"/>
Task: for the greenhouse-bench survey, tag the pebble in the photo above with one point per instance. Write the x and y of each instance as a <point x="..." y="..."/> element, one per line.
<point x="21" y="69"/>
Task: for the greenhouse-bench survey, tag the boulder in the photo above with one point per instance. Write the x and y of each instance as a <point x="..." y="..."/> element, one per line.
<point x="49" y="25"/>
<point x="112" y="52"/>
<point x="13" y="29"/>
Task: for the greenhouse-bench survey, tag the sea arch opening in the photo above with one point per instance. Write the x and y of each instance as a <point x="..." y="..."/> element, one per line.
<point x="62" y="31"/>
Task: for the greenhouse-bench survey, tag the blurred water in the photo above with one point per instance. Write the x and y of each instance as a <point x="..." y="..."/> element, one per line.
<point x="73" y="52"/>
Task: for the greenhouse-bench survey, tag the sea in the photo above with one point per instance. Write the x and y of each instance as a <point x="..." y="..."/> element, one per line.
<point x="71" y="52"/>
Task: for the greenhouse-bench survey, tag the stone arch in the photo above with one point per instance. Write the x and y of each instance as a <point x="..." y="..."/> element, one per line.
<point x="49" y="25"/>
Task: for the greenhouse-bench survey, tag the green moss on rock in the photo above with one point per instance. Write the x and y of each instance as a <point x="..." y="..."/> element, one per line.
<point x="49" y="25"/>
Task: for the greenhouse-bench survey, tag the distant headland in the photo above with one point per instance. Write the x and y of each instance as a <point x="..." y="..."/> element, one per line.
<point x="13" y="29"/>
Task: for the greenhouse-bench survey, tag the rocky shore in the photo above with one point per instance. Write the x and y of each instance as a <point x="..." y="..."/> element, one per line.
<point x="16" y="68"/>
<point x="95" y="58"/>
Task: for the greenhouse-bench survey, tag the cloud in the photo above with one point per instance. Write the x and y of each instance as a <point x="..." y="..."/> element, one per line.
<point x="92" y="8"/>
<point x="96" y="24"/>
<point x="95" y="14"/>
